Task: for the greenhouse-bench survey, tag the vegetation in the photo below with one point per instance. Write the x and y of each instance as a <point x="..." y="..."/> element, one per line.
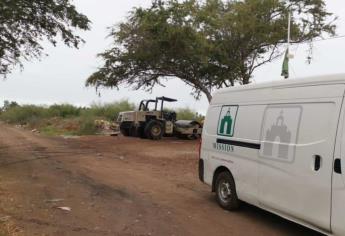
<point x="24" y="24"/>
<point x="189" y="114"/>
<point x="206" y="43"/>
<point x="66" y="119"/>
<point x="8" y="228"/>
<point x="62" y="119"/>
<point x="110" y="111"/>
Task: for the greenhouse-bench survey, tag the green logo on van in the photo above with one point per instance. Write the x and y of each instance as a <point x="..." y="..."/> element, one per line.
<point x="226" y="122"/>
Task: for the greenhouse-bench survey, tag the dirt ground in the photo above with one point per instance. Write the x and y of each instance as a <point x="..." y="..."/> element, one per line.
<point x="114" y="186"/>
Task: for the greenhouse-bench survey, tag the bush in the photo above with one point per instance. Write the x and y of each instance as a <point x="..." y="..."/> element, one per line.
<point x="23" y="114"/>
<point x="189" y="114"/>
<point x="87" y="126"/>
<point x="69" y="119"/>
<point x="8" y="105"/>
<point x="109" y="111"/>
<point x="64" y="110"/>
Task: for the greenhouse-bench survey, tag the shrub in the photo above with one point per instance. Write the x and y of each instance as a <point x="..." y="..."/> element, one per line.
<point x="109" y="111"/>
<point x="189" y="114"/>
<point x="87" y="126"/>
<point x="8" y="105"/>
<point x="23" y="114"/>
<point x="63" y="110"/>
<point x="69" y="119"/>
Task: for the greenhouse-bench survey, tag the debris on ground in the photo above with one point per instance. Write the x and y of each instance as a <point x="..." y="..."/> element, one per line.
<point x="70" y="136"/>
<point x="4" y="218"/>
<point x="107" y="127"/>
<point x="64" y="208"/>
<point x="55" y="200"/>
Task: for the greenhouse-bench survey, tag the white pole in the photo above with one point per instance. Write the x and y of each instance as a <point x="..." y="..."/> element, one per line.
<point x="289" y="29"/>
<point x="289" y="36"/>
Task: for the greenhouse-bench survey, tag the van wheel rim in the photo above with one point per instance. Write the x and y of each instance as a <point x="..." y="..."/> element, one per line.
<point x="224" y="191"/>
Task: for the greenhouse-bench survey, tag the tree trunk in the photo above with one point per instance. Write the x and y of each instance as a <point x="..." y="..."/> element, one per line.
<point x="203" y="89"/>
<point x="245" y="78"/>
<point x="208" y="95"/>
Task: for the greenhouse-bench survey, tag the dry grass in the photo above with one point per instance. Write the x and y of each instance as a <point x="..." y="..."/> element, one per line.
<point x="8" y="228"/>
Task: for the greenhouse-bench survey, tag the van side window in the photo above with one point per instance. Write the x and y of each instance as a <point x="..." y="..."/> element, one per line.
<point x="248" y="122"/>
<point x="212" y="117"/>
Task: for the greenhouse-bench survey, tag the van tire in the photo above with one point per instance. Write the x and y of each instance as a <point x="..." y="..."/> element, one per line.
<point x="226" y="191"/>
<point x="154" y="130"/>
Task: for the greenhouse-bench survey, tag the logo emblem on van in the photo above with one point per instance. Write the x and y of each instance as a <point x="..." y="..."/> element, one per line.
<point x="279" y="132"/>
<point x="227" y="119"/>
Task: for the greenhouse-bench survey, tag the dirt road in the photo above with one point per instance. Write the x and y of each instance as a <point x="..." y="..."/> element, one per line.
<point x="114" y="186"/>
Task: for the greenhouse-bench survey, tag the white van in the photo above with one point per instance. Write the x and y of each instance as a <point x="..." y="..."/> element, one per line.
<point x="280" y="146"/>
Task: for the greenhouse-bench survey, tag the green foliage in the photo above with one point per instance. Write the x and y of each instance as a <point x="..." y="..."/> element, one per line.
<point x="24" y="24"/>
<point x="207" y="44"/>
<point x="87" y="126"/>
<point x="64" y="110"/>
<point x="8" y="105"/>
<point x="188" y="114"/>
<point x="62" y="119"/>
<point x="109" y="111"/>
<point x="50" y="130"/>
<point x="66" y="119"/>
<point x="24" y="114"/>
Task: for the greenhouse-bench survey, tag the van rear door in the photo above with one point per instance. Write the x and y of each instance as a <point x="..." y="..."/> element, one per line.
<point x="296" y="159"/>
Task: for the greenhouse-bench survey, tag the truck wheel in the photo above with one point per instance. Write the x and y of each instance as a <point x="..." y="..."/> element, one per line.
<point x="133" y="132"/>
<point x="141" y="131"/>
<point x="154" y="130"/>
<point x="191" y="136"/>
<point x="196" y="135"/>
<point x="125" y="132"/>
<point x="226" y="192"/>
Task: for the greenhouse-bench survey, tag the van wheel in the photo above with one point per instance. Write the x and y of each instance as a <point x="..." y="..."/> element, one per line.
<point x="154" y="130"/>
<point x="226" y="192"/>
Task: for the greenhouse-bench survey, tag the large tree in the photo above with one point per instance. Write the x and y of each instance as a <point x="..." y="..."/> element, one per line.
<point x="25" y="23"/>
<point x="207" y="44"/>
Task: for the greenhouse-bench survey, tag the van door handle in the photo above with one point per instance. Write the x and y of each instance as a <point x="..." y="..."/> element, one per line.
<point x="317" y="162"/>
<point x="337" y="166"/>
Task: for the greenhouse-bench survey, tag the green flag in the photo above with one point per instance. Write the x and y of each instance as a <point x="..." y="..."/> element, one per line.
<point x="285" y="68"/>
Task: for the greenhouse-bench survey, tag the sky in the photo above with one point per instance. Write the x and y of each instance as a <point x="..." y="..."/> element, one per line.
<point x="60" y="76"/>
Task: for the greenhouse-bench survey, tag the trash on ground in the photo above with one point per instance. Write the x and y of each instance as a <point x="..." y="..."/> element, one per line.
<point x="55" y="200"/>
<point x="64" y="208"/>
<point x="4" y="218"/>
